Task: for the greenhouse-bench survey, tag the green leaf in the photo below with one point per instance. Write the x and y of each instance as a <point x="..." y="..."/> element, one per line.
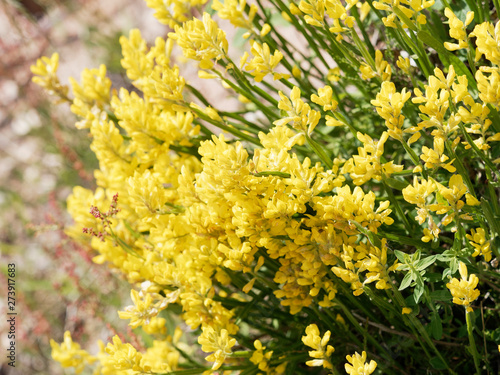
<point x="490" y="217"/>
<point x="454" y="265"/>
<point x="436" y="327"/>
<point x="400" y="255"/>
<point x="404" y="18"/>
<point x="372" y="237"/>
<point x="426" y="262"/>
<point x="273" y="173"/>
<point x="419" y="291"/>
<point x="438" y="364"/>
<point x="396" y="184"/>
<point x="441" y="295"/>
<point x="406" y="281"/>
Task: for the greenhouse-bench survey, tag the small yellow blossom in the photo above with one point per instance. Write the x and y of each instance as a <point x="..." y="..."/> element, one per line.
<point x="314" y="11"/>
<point x="263" y="63"/>
<point x="477" y="239"/>
<point x="464" y="291"/>
<point x="234" y="11"/>
<point x="301" y="115"/>
<point x="322" y="351"/>
<point x="357" y="364"/>
<point x="260" y="357"/>
<point x="124" y="356"/>
<point x="333" y="74"/>
<point x="404" y="64"/>
<point x="434" y="158"/>
<point x="201" y="40"/>
<point x="367" y="165"/>
<point x="69" y="354"/>
<point x="457" y="29"/>
<point x="487" y="41"/>
<point x="389" y="105"/>
<point x="45" y="75"/>
<point x="217" y="341"/>
<point x="325" y="99"/>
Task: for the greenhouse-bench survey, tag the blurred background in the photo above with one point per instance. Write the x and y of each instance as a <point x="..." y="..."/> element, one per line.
<point x="42" y="156"/>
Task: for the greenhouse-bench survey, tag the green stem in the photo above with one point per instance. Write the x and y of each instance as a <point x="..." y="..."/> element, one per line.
<point x="478" y="152"/>
<point x="398" y="208"/>
<point x="414" y="158"/>
<point x="318" y="150"/>
<point x="473" y="349"/>
<point x="420" y="329"/>
<point x="226" y="128"/>
<point x="460" y="168"/>
<point x="361" y="330"/>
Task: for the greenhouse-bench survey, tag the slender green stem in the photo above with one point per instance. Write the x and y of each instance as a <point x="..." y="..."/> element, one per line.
<point x="414" y="158"/>
<point x="473" y="349"/>
<point x="420" y="328"/>
<point x="226" y="128"/>
<point x="398" y="208"/>
<point x="460" y="168"/>
<point x="478" y="152"/>
<point x="361" y="330"/>
<point x="318" y="150"/>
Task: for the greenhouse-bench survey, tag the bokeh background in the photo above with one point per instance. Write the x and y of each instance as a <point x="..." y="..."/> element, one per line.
<point x="42" y="156"/>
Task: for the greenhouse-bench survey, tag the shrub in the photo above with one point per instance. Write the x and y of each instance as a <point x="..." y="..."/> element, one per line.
<point x="348" y="205"/>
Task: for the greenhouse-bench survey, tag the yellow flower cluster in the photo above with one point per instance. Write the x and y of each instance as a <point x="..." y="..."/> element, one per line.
<point x="194" y="216"/>
<point x="173" y="12"/>
<point x="405" y="10"/>
<point x="419" y="192"/>
<point x="464" y="291"/>
<point x="118" y="358"/>
<point x="357" y="364"/>
<point x="69" y="354"/>
<point x="315" y="10"/>
<point x="322" y="351"/>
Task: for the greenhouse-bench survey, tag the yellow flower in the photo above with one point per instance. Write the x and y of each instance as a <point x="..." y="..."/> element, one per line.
<point x="263" y="63"/>
<point x="143" y="309"/>
<point x="124" y="356"/>
<point x="455" y="191"/>
<point x="434" y="158"/>
<point x="477" y="238"/>
<point x="173" y="12"/>
<point x="234" y="11"/>
<point x="314" y="10"/>
<point x="217" y="341"/>
<point x="69" y="354"/>
<point x="333" y="74"/>
<point x="418" y="194"/>
<point x="45" y="71"/>
<point x="389" y="105"/>
<point x="259" y="357"/>
<point x="487" y="41"/>
<point x="322" y="351"/>
<point x="404" y="64"/>
<point x="488" y="81"/>
<point x="357" y="364"/>
<point x="325" y="99"/>
<point x="382" y="68"/>
<point x="457" y="29"/>
<point x="162" y="357"/>
<point x="464" y="291"/>
<point x="301" y="115"/>
<point x="367" y="165"/>
<point x="201" y="40"/>
<point x="412" y="8"/>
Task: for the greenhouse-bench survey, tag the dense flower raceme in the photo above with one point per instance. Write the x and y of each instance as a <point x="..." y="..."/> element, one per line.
<point x="334" y="190"/>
